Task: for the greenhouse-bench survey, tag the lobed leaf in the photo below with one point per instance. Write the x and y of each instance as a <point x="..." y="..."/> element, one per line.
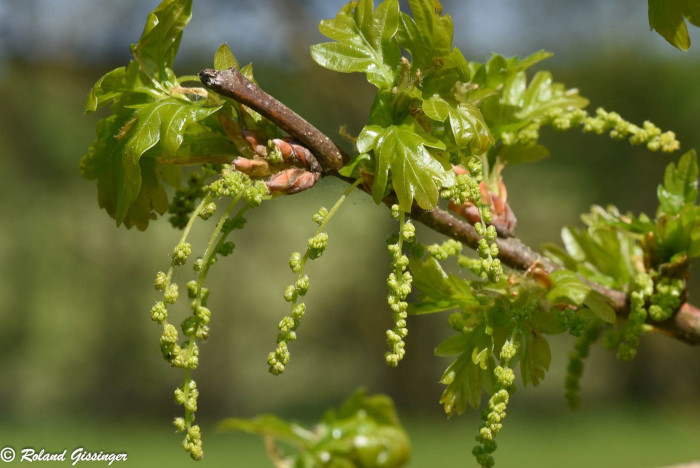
<point x="155" y="51"/>
<point x="465" y="378"/>
<point x="365" y="41"/>
<point x="680" y="185"/>
<point x="416" y="173"/>
<point x="568" y="289"/>
<point x="439" y="291"/>
<point x="535" y="357"/>
<point x="467" y="123"/>
<point x="110" y="86"/>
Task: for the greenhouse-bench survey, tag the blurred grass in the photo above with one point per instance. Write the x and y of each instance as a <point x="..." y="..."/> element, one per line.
<point x="601" y="437"/>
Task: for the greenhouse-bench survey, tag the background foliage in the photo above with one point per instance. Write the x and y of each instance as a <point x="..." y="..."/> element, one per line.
<point x="75" y="342"/>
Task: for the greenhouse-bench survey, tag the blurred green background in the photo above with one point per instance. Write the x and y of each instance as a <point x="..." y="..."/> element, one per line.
<point x="79" y="357"/>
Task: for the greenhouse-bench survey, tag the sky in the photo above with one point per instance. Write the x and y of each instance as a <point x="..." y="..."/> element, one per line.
<point x="99" y="31"/>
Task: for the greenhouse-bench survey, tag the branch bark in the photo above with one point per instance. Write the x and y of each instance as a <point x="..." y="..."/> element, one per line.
<point x="684" y="325"/>
<point x="231" y="83"/>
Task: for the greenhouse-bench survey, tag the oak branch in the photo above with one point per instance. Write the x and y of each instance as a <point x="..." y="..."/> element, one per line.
<point x="684" y="325"/>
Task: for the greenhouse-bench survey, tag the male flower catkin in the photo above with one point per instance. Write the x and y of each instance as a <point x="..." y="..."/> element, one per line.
<point x="399" y="284"/>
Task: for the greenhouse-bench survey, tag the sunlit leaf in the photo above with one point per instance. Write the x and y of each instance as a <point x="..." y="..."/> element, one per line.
<point x="161" y="36"/>
<point x="667" y="17"/>
<point x="680" y="184"/>
<point x="466" y="121"/>
<point x="416" y="173"/>
<point x="224" y="59"/>
<point x="107" y="88"/>
<point x="365" y="41"/>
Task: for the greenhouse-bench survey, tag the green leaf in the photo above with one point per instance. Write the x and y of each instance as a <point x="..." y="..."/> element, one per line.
<point x="453" y="345"/>
<point x="364" y="433"/>
<point x="680" y="185"/>
<point x="667" y="17"/>
<point x="269" y="425"/>
<point x="367" y="139"/>
<point x="543" y="94"/>
<point x="535" y="357"/>
<point x="378" y="408"/>
<point x="115" y="159"/>
<point x="104" y="163"/>
<point x="110" y="86"/>
<point x="463" y="378"/>
<point x="569" y="289"/>
<point x="430" y="33"/>
<point x="351" y="169"/>
<point x="161" y="121"/>
<point x="155" y="52"/>
<point x="467" y="123"/>
<point x="439" y="291"/>
<point x="510" y="104"/>
<point x="679" y="234"/>
<point x="365" y="41"/>
<point x="600" y="306"/>
<point x="342" y="57"/>
<point x="604" y="253"/>
<point x="416" y="173"/>
<point x="224" y="59"/>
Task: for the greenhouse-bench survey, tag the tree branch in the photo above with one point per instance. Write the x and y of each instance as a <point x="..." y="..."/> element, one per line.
<point x="231" y="83"/>
<point x="684" y="325"/>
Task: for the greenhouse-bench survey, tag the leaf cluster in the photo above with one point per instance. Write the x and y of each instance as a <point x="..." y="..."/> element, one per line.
<point x="615" y="247"/>
<point x="518" y="309"/>
<point x="156" y="124"/>
<point x="364" y="432"/>
<point x="435" y="109"/>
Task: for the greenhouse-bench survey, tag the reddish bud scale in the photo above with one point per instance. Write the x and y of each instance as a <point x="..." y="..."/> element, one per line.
<point x="253" y="167"/>
<point x="503" y="218"/>
<point x="292" y="180"/>
<point x="304" y="175"/>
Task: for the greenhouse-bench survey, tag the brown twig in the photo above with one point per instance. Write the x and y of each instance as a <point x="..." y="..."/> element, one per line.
<point x="231" y="83"/>
<point x="684" y="325"/>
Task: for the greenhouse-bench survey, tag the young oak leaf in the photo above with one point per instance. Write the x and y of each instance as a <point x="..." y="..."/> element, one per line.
<point x="156" y="49"/>
<point x="668" y="17"/>
<point x="535" y="357"/>
<point x="103" y="163"/>
<point x="110" y="86"/>
<point x="439" y="291"/>
<point x="466" y="121"/>
<point x="162" y="121"/>
<point x="115" y="157"/>
<point x="427" y="35"/>
<point x="541" y="96"/>
<point x="416" y="173"/>
<point x="680" y="185"/>
<point x="365" y="41"/>
<point x="466" y="376"/>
